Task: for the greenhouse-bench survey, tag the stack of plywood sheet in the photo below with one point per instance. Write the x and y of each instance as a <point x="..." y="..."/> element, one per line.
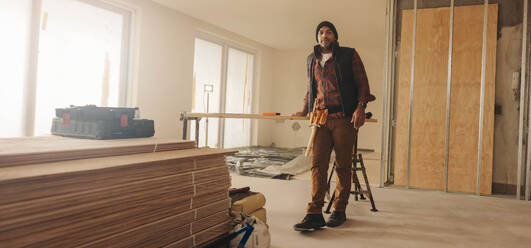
<point x="32" y="150"/>
<point x="173" y="198"/>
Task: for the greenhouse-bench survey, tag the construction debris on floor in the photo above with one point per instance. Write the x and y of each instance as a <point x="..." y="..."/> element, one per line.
<point x="248" y="207"/>
<point x="248" y="202"/>
<point x="158" y="197"/>
<point x="281" y="163"/>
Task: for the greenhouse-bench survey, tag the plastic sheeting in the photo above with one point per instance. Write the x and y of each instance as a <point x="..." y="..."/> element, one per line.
<point x="298" y="165"/>
<point x="272" y="162"/>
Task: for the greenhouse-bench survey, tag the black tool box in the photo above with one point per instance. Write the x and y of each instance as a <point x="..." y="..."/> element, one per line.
<point x="101" y="123"/>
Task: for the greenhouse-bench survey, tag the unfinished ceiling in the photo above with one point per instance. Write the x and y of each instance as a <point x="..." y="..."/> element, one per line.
<point x="282" y="24"/>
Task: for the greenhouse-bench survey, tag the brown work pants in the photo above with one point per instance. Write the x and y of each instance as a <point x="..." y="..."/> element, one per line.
<point x="339" y="135"/>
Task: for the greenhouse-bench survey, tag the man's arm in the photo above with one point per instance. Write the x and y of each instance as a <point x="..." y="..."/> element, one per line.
<point x="304" y="111"/>
<point x="362" y="85"/>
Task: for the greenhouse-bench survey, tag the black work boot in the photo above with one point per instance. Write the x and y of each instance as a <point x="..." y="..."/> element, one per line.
<point x="310" y="222"/>
<point x="336" y="219"/>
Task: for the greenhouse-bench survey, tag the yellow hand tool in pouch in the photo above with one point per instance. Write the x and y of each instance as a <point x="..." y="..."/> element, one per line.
<point x="317" y="119"/>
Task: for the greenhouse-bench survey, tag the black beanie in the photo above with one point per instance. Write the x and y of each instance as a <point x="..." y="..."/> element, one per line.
<point x="329" y="25"/>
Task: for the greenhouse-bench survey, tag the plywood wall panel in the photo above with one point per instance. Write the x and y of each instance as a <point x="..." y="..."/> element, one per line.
<point x="465" y="104"/>
<point x="402" y="101"/>
<point x="429" y="106"/>
<point x="429" y="102"/>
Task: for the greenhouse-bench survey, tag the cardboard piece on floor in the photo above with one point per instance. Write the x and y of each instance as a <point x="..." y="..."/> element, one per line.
<point x="249" y="203"/>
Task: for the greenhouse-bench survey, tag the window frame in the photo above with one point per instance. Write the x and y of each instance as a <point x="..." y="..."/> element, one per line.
<point x="227" y="44"/>
<point x="126" y="61"/>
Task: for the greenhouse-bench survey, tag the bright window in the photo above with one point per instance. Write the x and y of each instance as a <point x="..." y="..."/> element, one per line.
<point x="226" y="90"/>
<point x="238" y="98"/>
<point x="207" y="89"/>
<point x="75" y="52"/>
<point x="80" y="55"/>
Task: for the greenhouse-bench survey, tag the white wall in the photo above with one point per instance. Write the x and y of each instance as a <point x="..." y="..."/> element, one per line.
<point x="262" y="129"/>
<point x="289" y="88"/>
<point x="162" y="74"/>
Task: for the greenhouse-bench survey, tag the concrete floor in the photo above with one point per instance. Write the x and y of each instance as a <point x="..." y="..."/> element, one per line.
<point x="406" y="218"/>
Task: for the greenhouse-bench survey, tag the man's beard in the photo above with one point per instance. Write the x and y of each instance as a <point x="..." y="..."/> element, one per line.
<point x="329" y="47"/>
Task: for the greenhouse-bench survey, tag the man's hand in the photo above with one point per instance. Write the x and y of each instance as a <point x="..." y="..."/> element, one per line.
<point x="358" y="118"/>
<point x="300" y="114"/>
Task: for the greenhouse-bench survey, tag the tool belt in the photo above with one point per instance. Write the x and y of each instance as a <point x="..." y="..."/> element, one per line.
<point x="318" y="117"/>
<point x="335" y="109"/>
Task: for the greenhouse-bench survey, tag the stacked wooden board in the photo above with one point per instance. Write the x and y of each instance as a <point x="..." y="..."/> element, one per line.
<point x="173" y="198"/>
<point x="32" y="150"/>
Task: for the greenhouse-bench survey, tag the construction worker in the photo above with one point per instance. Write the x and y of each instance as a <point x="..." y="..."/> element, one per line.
<point x="336" y="81"/>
